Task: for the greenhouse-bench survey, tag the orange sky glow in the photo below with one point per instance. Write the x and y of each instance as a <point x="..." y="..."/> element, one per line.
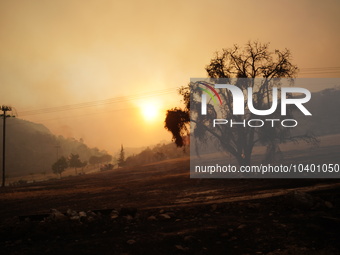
<point x="126" y="59"/>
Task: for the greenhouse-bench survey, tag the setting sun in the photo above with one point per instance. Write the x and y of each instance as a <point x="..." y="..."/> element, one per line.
<point x="150" y="111"/>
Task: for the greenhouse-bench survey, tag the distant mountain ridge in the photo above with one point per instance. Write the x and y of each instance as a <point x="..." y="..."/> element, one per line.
<point x="325" y="109"/>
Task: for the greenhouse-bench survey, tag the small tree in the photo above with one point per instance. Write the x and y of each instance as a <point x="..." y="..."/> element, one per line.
<point x="75" y="162"/>
<point x="94" y="160"/>
<point x="59" y="166"/>
<point x="121" y="159"/>
<point x="106" y="158"/>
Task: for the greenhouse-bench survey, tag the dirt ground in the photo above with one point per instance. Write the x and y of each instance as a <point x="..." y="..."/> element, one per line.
<point x="158" y="209"/>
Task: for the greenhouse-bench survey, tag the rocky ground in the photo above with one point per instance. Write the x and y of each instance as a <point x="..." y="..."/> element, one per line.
<point x="155" y="211"/>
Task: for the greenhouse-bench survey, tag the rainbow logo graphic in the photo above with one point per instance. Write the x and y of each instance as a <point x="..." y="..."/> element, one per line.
<point x="209" y="90"/>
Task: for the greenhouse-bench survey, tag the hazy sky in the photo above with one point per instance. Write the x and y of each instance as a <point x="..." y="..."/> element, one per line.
<point x="67" y="52"/>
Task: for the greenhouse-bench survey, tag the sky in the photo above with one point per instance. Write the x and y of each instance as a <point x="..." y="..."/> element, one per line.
<point x="97" y="66"/>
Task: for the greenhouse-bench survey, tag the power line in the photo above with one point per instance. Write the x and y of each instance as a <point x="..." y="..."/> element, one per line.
<point x="320" y="70"/>
<point x="307" y="70"/>
<point x="82" y="115"/>
<point x="97" y="103"/>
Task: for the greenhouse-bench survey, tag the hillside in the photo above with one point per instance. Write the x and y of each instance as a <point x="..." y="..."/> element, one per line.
<point x="157" y="153"/>
<point x="325" y="119"/>
<point x="32" y="148"/>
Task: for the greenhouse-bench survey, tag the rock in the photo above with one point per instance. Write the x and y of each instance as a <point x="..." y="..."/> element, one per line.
<point x="18" y="241"/>
<point x="90" y="213"/>
<point x="298" y="199"/>
<point x="329" y="204"/>
<point x="233" y="238"/>
<point x="57" y="216"/>
<point x="71" y="213"/>
<point x="75" y="218"/>
<point x="171" y="214"/>
<point x="254" y="206"/>
<point x="115" y="216"/>
<point x="131" y="241"/>
<point x="152" y="218"/>
<point x="214" y="207"/>
<point x="82" y="214"/>
<point x="114" y="212"/>
<point x="91" y="216"/>
<point x="188" y="238"/>
<point x="241" y="226"/>
<point x="128" y="211"/>
<point x="165" y="216"/>
<point x="181" y="248"/>
<point x="128" y="217"/>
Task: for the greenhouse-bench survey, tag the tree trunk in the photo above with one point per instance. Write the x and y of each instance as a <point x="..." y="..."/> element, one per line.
<point x="244" y="159"/>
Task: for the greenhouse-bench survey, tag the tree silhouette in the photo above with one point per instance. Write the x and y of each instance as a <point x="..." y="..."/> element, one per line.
<point x="75" y="162"/>
<point x="59" y="166"/>
<point x="106" y="158"/>
<point x="94" y="160"/>
<point x="233" y="65"/>
<point x="121" y="159"/>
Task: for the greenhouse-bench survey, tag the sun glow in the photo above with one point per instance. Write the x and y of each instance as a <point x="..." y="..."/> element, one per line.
<point x="150" y="111"/>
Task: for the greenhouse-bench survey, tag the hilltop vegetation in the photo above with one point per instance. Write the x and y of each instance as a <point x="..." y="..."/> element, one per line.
<point x="157" y="153"/>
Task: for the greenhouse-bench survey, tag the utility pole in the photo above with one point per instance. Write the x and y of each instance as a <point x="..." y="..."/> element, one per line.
<point x="4" y="109"/>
